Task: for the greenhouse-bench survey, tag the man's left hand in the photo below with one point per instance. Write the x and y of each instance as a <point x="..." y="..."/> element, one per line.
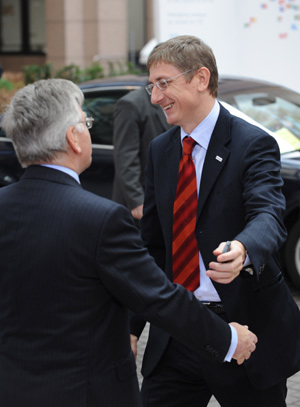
<point x="228" y="265"/>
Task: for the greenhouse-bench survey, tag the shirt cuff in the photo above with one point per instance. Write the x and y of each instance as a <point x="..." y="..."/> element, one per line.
<point x="233" y="345"/>
<point x="247" y="261"/>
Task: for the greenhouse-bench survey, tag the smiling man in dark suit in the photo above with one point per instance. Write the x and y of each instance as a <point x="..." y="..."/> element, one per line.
<point x="234" y="184"/>
<point x="71" y="263"/>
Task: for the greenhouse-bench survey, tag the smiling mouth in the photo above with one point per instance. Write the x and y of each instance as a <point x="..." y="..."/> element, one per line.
<point x="168" y="106"/>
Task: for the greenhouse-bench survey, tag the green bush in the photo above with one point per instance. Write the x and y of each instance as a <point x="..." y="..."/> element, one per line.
<point x="118" y="68"/>
<point x="71" y="72"/>
<point x="133" y="69"/>
<point x="95" y="71"/>
<point x="33" y="73"/>
<point x="112" y="70"/>
<point x="5" y="84"/>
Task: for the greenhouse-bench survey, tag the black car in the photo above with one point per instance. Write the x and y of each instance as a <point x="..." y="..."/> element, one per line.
<point x="275" y="108"/>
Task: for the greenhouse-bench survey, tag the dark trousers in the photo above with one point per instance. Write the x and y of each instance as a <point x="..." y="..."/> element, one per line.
<point x="183" y="378"/>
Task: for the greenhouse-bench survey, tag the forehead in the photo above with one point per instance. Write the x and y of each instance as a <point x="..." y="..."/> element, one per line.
<point x="162" y="70"/>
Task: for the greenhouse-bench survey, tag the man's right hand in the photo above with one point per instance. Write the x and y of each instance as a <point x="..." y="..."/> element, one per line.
<point x="247" y="341"/>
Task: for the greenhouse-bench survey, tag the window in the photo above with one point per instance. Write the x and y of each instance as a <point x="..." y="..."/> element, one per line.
<point x="275" y="108"/>
<point x="22" y="26"/>
<point x="101" y="106"/>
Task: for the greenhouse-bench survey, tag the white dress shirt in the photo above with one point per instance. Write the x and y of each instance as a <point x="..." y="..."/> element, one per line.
<point x="202" y="134"/>
<point x="206" y="292"/>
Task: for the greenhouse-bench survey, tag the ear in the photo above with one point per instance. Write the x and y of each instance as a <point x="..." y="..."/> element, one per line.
<point x="73" y="140"/>
<point x="203" y="75"/>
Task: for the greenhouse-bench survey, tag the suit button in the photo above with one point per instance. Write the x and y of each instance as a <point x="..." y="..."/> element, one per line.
<point x="212" y="351"/>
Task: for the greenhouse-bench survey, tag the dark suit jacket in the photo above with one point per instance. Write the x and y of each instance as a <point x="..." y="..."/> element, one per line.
<point x="136" y="122"/>
<point x="240" y="198"/>
<point x="70" y="265"/>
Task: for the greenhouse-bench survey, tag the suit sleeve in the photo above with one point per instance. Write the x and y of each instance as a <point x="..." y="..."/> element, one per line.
<point x="126" y="140"/>
<point x="133" y="278"/>
<point x="152" y="236"/>
<point x="264" y="202"/>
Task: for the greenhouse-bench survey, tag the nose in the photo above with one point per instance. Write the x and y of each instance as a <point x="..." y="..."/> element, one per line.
<point x="156" y="95"/>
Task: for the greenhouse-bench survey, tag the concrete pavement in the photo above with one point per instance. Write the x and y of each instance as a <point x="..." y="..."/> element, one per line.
<point x="293" y="396"/>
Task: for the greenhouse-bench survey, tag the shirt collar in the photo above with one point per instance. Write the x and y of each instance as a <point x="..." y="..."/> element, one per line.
<point x="66" y="170"/>
<point x="202" y="133"/>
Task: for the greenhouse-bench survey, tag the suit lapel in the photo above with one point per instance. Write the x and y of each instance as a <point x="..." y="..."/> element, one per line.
<point x="169" y="166"/>
<point x="173" y="154"/>
<point x="215" y="160"/>
<point x="216" y="157"/>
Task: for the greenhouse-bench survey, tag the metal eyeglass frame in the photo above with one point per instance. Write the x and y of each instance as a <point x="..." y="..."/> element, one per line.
<point x="89" y="121"/>
<point x="163" y="83"/>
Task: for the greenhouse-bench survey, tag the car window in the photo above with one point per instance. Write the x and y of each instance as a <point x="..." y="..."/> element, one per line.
<point x="275" y="110"/>
<point x="101" y="105"/>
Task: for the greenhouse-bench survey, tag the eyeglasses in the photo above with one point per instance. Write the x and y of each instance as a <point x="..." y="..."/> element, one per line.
<point x="162" y="84"/>
<point x="88" y="122"/>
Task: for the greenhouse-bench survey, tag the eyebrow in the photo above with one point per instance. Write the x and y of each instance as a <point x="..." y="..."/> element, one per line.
<point x="157" y="80"/>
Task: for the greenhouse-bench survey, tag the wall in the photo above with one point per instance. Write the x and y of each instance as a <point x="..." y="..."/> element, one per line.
<point x="83" y="31"/>
<point x="79" y="32"/>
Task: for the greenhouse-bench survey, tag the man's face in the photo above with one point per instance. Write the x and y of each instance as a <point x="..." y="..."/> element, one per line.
<point x="180" y="100"/>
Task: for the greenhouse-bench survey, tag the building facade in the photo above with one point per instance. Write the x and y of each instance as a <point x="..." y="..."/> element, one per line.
<point x="80" y="32"/>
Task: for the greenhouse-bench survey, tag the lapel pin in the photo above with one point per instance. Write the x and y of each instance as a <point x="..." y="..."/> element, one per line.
<point x="219" y="158"/>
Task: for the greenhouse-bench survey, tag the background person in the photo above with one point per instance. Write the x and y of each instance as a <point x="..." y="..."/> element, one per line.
<point x="71" y="264"/>
<point x="238" y="186"/>
<point x="136" y="122"/>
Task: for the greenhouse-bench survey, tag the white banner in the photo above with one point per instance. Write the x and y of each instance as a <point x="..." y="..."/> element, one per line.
<point x="258" y="39"/>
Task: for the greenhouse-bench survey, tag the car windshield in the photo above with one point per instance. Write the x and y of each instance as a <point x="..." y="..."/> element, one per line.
<point x="100" y="105"/>
<point x="276" y="109"/>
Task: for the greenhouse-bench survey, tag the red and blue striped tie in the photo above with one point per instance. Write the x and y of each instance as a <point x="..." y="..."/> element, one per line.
<point x="184" y="248"/>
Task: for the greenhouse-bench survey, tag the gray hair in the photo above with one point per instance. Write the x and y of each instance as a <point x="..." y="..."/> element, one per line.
<point x="38" y="117"/>
<point x="187" y="52"/>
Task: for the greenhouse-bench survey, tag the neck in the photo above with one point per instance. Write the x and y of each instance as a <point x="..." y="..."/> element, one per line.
<point x="202" y="112"/>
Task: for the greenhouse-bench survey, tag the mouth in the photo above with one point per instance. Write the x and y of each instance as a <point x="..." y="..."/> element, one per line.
<point x="167" y="107"/>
